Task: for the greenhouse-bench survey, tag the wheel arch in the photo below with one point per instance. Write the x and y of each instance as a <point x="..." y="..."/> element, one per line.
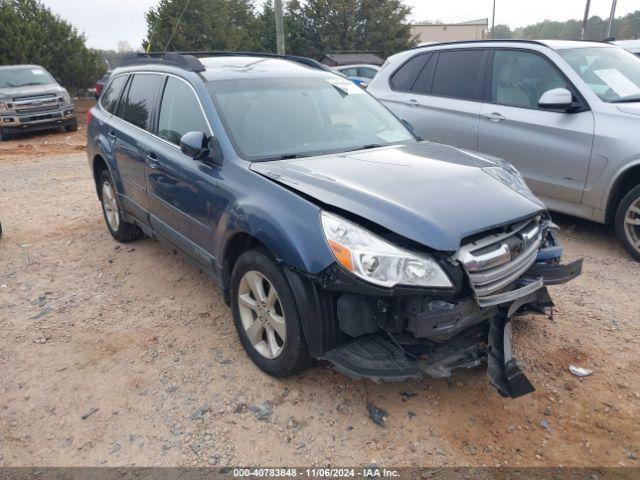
<point x="624" y="181"/>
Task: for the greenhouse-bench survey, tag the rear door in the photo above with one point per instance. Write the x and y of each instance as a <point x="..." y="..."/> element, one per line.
<point x="130" y="136"/>
<point x="552" y="149"/>
<point x="448" y="97"/>
<point x="183" y="192"/>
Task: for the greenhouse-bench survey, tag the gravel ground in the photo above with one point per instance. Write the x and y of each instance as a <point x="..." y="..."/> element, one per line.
<point x="125" y="355"/>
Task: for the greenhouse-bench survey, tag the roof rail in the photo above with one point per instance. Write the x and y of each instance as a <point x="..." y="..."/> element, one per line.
<point x="188" y="62"/>
<point x="309" y="62"/>
<point x="497" y="40"/>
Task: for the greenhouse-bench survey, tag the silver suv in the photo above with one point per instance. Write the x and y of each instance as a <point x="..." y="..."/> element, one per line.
<point x="566" y="114"/>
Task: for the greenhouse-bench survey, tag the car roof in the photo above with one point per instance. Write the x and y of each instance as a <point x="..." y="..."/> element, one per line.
<point x="229" y="66"/>
<point x="14" y="67"/>
<point x="366" y="65"/>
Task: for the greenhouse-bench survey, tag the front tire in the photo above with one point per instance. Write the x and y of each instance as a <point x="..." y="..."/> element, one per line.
<point x="120" y="230"/>
<point x="266" y="315"/>
<point x="72" y="127"/>
<point x="628" y="222"/>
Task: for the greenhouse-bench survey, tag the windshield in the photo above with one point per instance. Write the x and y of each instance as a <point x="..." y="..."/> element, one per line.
<point x="278" y="118"/>
<point x="612" y="73"/>
<point x="22" y="77"/>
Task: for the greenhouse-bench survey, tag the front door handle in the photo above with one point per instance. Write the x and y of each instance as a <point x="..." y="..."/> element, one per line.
<point x="152" y="160"/>
<point x="413" y="103"/>
<point x="112" y="135"/>
<point x="494" y="116"/>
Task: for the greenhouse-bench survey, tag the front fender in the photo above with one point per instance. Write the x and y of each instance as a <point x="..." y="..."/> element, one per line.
<point x="287" y="224"/>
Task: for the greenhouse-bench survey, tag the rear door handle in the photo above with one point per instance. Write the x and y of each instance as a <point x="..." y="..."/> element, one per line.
<point x="494" y="116"/>
<point x="413" y="103"/>
<point x="152" y="160"/>
<point x="112" y="135"/>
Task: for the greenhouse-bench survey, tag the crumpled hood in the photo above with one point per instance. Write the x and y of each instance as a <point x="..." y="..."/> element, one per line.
<point x="14" y="92"/>
<point x="430" y="193"/>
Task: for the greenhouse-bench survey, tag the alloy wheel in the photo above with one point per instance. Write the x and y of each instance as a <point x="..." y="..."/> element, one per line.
<point x="110" y="206"/>
<point x="632" y="224"/>
<point x="261" y="314"/>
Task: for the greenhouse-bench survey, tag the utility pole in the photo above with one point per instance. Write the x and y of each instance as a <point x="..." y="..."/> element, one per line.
<point x="585" y="20"/>
<point x="493" y="19"/>
<point x="611" y="17"/>
<point x="277" y="6"/>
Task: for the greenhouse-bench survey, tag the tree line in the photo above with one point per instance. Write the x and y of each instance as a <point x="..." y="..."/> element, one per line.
<point x="312" y="27"/>
<point x="626" y="27"/>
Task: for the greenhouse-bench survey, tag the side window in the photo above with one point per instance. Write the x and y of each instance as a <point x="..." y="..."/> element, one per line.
<point x="520" y="78"/>
<point x="350" y="72"/>
<point x="180" y="112"/>
<point x="425" y="78"/>
<point x="137" y="105"/>
<point x="109" y="100"/>
<point x="405" y="76"/>
<point x="457" y="74"/>
<point x="366" y="72"/>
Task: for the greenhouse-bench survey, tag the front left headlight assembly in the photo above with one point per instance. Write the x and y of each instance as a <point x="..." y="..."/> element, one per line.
<point x="377" y="261"/>
<point x="66" y="97"/>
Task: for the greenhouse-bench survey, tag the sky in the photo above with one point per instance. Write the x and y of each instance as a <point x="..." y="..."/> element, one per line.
<point x="105" y="23"/>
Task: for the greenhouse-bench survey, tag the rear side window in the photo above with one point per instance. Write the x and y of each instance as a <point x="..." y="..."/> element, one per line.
<point x="457" y="74"/>
<point x="405" y="76"/>
<point x="137" y="105"/>
<point x="180" y="112"/>
<point x="109" y="100"/>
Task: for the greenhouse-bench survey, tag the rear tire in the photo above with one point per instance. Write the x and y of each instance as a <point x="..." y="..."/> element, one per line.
<point x="120" y="230"/>
<point x="628" y="222"/>
<point x="277" y="356"/>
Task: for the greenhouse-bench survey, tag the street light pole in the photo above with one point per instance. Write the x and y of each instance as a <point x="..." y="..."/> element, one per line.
<point x="611" y="17"/>
<point x="493" y="19"/>
<point x="277" y="5"/>
<point x="585" y="20"/>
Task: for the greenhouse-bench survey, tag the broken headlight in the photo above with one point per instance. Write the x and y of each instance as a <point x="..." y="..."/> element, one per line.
<point x="377" y="261"/>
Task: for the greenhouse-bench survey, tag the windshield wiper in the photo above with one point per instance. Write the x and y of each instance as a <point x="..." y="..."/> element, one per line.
<point x="635" y="98"/>
<point x="364" y="147"/>
<point x="285" y="156"/>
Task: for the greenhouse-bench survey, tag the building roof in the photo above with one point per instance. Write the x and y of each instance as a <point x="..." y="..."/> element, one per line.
<point x="349" y="58"/>
<point x="482" y="22"/>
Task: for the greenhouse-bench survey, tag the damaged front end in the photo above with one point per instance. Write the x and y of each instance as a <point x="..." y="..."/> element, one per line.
<point x="394" y="334"/>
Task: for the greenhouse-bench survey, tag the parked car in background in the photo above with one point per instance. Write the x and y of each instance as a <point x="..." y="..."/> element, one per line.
<point x="565" y="114"/>
<point x="632" y="46"/>
<point x="31" y="100"/>
<point x="333" y="232"/>
<point x="101" y="83"/>
<point x="361" y="75"/>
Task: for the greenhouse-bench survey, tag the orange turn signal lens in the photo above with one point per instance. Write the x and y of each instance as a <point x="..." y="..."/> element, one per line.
<point x="343" y="254"/>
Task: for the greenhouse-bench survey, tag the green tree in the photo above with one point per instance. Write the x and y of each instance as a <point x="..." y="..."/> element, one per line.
<point x="31" y="33"/>
<point x="186" y="25"/>
<point x="501" y="32"/>
<point x="319" y="26"/>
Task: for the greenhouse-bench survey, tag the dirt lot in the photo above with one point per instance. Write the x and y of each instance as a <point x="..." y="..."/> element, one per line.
<point x="123" y="354"/>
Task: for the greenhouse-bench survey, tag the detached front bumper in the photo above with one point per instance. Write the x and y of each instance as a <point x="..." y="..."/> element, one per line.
<point x="399" y="335"/>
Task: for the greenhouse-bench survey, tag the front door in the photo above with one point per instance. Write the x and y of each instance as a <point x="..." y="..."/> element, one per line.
<point x="182" y="191"/>
<point x="552" y="149"/>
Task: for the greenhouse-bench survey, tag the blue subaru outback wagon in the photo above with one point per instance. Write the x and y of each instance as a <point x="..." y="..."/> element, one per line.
<point x="333" y="231"/>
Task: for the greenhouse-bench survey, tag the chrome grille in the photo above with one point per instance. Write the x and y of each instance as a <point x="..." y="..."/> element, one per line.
<point x="496" y="261"/>
<point x="36" y="98"/>
<point x="36" y="103"/>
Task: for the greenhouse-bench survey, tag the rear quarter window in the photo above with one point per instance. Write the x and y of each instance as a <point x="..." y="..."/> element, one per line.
<point x="109" y="99"/>
<point x="404" y="78"/>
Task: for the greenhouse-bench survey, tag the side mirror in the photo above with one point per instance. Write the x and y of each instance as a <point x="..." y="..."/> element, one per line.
<point x="199" y="146"/>
<point x="557" y="98"/>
